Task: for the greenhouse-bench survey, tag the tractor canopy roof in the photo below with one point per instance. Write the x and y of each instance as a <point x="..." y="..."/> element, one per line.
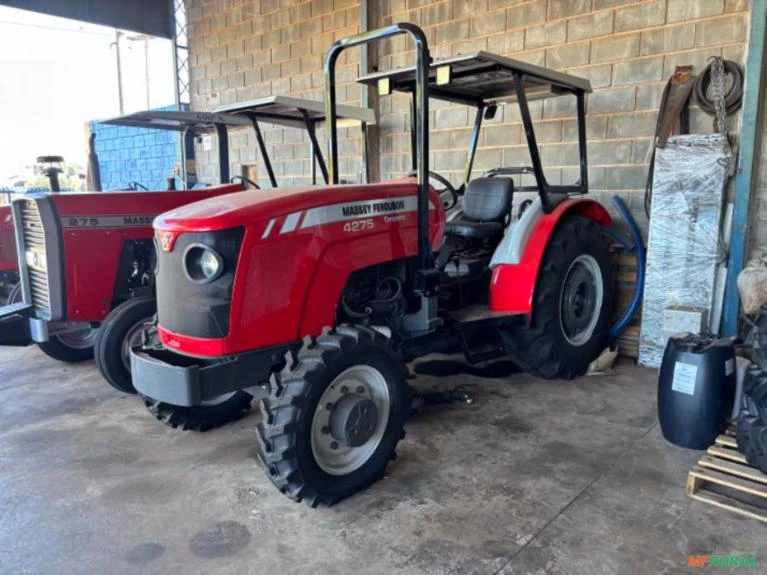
<point x="296" y="112"/>
<point x="178" y="121"/>
<point x="480" y="78"/>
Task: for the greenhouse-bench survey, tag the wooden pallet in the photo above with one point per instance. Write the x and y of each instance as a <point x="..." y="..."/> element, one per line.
<point x="723" y="478"/>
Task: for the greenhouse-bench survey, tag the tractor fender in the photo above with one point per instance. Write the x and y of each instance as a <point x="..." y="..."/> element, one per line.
<point x="515" y="271"/>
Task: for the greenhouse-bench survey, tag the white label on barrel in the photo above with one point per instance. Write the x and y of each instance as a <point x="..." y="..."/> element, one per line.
<point x="684" y="378"/>
<point x="729" y="367"/>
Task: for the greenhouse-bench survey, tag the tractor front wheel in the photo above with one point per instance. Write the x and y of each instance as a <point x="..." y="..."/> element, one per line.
<point x="120" y="331"/>
<point x="334" y="416"/>
<point x="572" y="304"/>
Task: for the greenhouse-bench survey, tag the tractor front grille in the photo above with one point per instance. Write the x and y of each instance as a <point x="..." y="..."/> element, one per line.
<point x="189" y="308"/>
<point x="35" y="251"/>
<point x="40" y="247"/>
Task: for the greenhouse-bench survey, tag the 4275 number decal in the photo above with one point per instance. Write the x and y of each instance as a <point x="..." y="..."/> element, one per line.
<point x="359" y="225"/>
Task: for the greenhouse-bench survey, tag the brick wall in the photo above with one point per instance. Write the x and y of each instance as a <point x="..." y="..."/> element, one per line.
<point x="626" y="48"/>
<point x="136" y="155"/>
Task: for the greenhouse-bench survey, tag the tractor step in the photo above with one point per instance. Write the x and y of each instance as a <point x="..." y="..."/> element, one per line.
<point x="723" y="478"/>
<point x="480" y="346"/>
<point x="479" y="312"/>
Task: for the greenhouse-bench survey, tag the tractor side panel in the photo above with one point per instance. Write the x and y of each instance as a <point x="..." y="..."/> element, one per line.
<point x="288" y="283"/>
<point x="8" y="256"/>
<point x="512" y="286"/>
<point x="95" y="228"/>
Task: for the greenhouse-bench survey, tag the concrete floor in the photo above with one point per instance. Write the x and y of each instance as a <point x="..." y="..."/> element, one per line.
<point x="536" y="477"/>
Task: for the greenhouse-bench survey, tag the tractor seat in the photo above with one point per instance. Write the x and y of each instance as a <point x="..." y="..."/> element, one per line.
<point x="486" y="204"/>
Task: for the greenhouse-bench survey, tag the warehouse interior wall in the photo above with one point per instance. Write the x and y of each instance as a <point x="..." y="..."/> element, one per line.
<point x="626" y="48"/>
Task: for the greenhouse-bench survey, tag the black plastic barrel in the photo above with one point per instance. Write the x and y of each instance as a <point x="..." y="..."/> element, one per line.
<point x="696" y="388"/>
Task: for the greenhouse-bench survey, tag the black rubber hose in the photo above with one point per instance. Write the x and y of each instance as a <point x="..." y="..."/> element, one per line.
<point x="733" y="96"/>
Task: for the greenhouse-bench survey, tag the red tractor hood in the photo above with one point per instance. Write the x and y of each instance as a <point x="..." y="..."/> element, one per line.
<point x="232" y="210"/>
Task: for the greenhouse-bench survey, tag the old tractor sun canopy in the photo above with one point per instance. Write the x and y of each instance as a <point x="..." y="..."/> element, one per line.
<point x="179" y="121"/>
<point x="302" y="114"/>
<point x="481" y="78"/>
<point x="295" y="112"/>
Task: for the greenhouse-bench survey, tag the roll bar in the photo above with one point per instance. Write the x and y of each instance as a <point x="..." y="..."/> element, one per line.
<point x="420" y="107"/>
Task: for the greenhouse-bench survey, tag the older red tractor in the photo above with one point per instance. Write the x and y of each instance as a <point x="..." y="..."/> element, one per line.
<point x="87" y="260"/>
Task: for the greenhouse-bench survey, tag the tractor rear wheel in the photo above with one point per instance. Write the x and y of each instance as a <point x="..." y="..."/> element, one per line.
<point x="120" y="331"/>
<point x="572" y="304"/>
<point x="212" y="413"/>
<point x="71" y="346"/>
<point x="334" y="416"/>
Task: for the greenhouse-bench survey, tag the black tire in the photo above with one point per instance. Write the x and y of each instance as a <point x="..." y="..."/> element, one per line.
<point x="199" y="417"/>
<point x="543" y="349"/>
<point x="755" y="392"/>
<point x="121" y="323"/>
<point x="285" y="436"/>
<point x="751" y="434"/>
<point x="57" y="348"/>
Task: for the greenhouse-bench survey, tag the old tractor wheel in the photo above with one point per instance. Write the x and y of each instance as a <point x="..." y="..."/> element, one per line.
<point x="334" y="416"/>
<point x="71" y="346"/>
<point x="120" y="331"/>
<point x="572" y="304"/>
<point x="210" y="414"/>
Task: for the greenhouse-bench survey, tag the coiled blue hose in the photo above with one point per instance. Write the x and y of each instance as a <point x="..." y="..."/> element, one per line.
<point x="637" y="246"/>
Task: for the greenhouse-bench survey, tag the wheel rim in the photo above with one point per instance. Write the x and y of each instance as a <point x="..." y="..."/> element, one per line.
<point x="581" y="300"/>
<point x="350" y="420"/>
<point x="79" y="338"/>
<point x="133" y="339"/>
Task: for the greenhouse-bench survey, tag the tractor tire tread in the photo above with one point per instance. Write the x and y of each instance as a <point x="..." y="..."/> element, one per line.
<point x="281" y="409"/>
<point x="199" y="418"/>
<point x="533" y="348"/>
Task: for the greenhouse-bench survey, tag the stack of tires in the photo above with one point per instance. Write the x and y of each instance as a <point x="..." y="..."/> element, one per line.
<point x="752" y="421"/>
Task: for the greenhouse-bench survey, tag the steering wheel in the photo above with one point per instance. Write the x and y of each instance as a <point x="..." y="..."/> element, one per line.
<point x="135" y="187"/>
<point x="447" y="187"/>
<point x="234" y="179"/>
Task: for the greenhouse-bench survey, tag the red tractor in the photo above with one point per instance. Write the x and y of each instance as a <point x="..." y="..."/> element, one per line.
<point x="87" y="259"/>
<point x="9" y="268"/>
<point x="326" y="293"/>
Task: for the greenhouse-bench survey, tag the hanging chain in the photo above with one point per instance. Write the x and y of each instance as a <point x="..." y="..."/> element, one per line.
<point x="718" y="79"/>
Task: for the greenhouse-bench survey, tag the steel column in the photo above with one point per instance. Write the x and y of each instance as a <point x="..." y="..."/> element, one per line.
<point x="748" y="150"/>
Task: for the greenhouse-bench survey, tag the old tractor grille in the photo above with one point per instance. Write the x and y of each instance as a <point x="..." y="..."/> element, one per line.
<point x="40" y="244"/>
<point x="34" y="247"/>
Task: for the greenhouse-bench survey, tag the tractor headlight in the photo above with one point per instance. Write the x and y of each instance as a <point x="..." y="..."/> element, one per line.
<point x="202" y="265"/>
